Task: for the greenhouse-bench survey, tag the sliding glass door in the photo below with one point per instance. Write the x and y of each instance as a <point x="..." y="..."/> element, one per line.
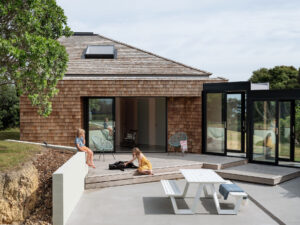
<point x="276" y="132"/>
<point x="264" y="131"/>
<point x="225" y="120"/>
<point x="296" y="130"/>
<point x="234" y="122"/>
<point x="215" y="123"/>
<point x="284" y="130"/>
<point x="101" y="124"/>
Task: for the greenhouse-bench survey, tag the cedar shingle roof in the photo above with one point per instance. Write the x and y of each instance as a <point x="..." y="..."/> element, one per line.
<point x="129" y="60"/>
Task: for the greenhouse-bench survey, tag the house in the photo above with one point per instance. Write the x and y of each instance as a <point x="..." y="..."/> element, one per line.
<point x="122" y="96"/>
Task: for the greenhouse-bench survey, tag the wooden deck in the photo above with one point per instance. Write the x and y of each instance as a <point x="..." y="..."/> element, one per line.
<point x="164" y="167"/>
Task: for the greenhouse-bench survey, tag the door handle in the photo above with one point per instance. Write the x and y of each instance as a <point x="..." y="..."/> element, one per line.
<point x="276" y="130"/>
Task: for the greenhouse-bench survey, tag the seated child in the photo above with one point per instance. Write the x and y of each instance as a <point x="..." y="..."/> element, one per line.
<point x="145" y="167"/>
<point x="109" y="128"/>
<point x="80" y="145"/>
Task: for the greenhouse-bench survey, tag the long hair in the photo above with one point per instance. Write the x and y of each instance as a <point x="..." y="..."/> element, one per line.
<point x="136" y="151"/>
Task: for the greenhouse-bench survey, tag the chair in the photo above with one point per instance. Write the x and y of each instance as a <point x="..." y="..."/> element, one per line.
<point x="103" y="145"/>
<point x="130" y="139"/>
<point x="175" y="139"/>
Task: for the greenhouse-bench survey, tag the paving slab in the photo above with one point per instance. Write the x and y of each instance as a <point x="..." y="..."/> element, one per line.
<point x="282" y="200"/>
<point x="146" y="204"/>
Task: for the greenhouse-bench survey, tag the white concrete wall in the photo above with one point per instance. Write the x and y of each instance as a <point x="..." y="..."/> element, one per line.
<point x="68" y="186"/>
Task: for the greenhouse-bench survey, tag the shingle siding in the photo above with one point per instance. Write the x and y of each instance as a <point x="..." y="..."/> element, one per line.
<point x="183" y="97"/>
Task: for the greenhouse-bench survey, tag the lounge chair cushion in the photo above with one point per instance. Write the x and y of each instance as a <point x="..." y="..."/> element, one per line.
<point x="225" y="189"/>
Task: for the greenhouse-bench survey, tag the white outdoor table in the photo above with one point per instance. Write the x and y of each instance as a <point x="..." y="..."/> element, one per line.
<point x="205" y="178"/>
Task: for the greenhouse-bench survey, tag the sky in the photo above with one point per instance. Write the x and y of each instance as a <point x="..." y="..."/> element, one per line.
<point x="229" y="38"/>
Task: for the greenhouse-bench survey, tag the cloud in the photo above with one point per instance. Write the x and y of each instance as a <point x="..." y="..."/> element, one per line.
<point x="228" y="38"/>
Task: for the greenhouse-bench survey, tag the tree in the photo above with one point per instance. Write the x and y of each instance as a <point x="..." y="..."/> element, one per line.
<point x="9" y="107"/>
<point x="31" y="58"/>
<point x="279" y="77"/>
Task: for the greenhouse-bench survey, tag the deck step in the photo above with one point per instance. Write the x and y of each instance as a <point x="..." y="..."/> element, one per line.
<point x="130" y="177"/>
<point x="135" y="180"/>
<point x="129" y="174"/>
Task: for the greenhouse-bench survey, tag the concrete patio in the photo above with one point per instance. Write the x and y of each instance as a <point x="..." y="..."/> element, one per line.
<point x="146" y="204"/>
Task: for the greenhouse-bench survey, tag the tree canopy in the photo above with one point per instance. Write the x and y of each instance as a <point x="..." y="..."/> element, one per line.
<point x="9" y="107"/>
<point x="31" y="57"/>
<point x="279" y="77"/>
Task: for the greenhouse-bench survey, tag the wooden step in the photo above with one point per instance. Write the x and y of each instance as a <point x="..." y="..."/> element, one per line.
<point x="129" y="174"/>
<point x="135" y="180"/>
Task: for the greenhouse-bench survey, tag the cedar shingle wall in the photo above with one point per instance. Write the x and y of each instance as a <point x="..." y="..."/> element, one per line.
<point x="184" y="113"/>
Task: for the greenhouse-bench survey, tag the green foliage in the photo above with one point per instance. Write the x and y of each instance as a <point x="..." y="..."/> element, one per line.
<point x="279" y="77"/>
<point x="30" y="55"/>
<point x="10" y="133"/>
<point x="297" y="122"/>
<point x="9" y="107"/>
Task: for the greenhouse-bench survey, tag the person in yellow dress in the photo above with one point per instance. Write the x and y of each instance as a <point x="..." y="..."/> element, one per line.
<point x="268" y="143"/>
<point x="145" y="167"/>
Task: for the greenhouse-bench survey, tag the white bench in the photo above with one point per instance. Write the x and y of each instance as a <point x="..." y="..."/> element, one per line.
<point x="239" y="197"/>
<point x="172" y="190"/>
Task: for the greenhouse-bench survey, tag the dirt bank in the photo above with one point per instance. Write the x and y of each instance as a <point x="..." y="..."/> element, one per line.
<point x="26" y="192"/>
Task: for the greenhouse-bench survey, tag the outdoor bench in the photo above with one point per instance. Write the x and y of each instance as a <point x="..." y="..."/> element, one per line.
<point x="172" y="190"/>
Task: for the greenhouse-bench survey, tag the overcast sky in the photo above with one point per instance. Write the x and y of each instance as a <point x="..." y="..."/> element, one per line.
<point x="229" y="38"/>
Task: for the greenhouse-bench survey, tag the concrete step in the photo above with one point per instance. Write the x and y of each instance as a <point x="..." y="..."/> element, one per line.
<point x="261" y="174"/>
<point x="130" y="177"/>
<point x="219" y="166"/>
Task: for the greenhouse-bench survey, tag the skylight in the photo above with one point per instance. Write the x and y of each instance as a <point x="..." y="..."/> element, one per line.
<point x="100" y="51"/>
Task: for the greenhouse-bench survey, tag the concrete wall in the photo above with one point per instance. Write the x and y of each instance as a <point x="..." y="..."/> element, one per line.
<point x="67" y="187"/>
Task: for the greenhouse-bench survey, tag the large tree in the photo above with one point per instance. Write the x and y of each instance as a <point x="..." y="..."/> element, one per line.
<point x="31" y="58"/>
<point x="9" y="107"/>
<point x="279" y="77"/>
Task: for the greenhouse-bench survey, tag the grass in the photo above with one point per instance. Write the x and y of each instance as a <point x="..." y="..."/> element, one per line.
<point x="10" y="133"/>
<point x="13" y="154"/>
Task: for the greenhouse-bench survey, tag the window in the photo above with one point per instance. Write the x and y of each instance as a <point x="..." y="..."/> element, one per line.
<point x="100" y="52"/>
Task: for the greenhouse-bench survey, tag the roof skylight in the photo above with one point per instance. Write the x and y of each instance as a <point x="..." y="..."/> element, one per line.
<point x="100" y="51"/>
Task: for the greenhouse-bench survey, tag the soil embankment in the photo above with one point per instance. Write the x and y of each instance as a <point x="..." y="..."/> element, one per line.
<point x="26" y="192"/>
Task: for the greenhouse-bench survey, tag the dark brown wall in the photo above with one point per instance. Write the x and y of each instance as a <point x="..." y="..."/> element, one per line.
<point x="184" y="113"/>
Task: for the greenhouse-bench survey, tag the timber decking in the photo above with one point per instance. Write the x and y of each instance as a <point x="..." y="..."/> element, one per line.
<point x="167" y="167"/>
<point x="164" y="167"/>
